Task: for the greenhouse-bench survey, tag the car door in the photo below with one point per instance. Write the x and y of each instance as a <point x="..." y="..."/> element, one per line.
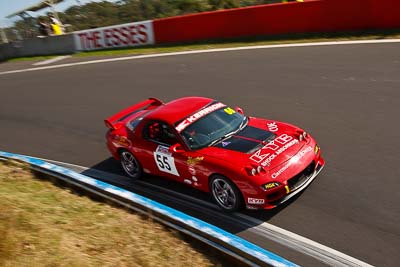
<point x="156" y="157"/>
<point x="186" y="165"/>
<point x="154" y="150"/>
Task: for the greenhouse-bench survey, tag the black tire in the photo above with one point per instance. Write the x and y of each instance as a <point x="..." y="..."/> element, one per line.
<point x="225" y="193"/>
<point x="130" y="164"/>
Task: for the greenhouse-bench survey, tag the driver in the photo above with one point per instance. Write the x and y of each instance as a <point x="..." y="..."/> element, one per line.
<point x="155" y="131"/>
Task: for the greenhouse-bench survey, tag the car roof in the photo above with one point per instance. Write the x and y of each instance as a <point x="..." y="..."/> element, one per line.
<point x="179" y="109"/>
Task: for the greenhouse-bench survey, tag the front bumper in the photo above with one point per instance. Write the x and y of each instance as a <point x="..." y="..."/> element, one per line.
<point x="289" y="190"/>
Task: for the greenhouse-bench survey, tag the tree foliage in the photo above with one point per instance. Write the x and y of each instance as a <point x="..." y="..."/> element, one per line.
<point x="106" y="13"/>
<point x="99" y="14"/>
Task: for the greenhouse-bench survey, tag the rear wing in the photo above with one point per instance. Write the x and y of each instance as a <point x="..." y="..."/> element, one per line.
<point x="148" y="104"/>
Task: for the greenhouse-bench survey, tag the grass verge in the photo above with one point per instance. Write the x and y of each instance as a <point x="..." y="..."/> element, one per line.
<point x="44" y="225"/>
<point x="252" y="41"/>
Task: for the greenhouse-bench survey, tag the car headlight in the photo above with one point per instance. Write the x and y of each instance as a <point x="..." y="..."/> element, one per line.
<point x="271" y="185"/>
<point x="302" y="136"/>
<point x="259" y="169"/>
<point x="253" y="170"/>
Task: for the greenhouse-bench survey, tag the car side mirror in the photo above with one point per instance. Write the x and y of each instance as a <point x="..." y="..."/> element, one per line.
<point x="239" y="110"/>
<point x="177" y="148"/>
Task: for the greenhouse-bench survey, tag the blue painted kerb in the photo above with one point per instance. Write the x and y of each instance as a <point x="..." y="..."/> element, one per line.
<point x="233" y="240"/>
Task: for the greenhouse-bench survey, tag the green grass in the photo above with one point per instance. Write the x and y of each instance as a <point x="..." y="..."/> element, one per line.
<point x="39" y="58"/>
<point x="44" y="225"/>
<point x="253" y="41"/>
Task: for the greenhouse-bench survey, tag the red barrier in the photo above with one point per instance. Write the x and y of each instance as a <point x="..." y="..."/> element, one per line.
<point x="309" y="16"/>
<point x="250" y="21"/>
<point x="362" y="14"/>
<point x="385" y="13"/>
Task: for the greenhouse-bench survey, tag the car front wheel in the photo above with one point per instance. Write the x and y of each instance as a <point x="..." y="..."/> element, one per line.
<point x="225" y="193"/>
<point x="130" y="164"/>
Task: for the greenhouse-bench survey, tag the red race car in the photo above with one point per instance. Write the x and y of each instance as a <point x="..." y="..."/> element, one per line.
<point x="240" y="160"/>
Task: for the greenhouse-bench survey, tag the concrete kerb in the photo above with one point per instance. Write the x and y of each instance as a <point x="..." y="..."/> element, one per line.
<point x="232" y="245"/>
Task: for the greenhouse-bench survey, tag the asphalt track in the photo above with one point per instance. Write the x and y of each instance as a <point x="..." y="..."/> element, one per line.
<point x="346" y="96"/>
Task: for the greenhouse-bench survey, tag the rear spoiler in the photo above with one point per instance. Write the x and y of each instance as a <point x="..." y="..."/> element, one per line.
<point x="148" y="104"/>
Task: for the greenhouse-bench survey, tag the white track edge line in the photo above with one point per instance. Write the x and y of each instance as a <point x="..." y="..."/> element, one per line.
<point x="51" y="60"/>
<point x="203" y="51"/>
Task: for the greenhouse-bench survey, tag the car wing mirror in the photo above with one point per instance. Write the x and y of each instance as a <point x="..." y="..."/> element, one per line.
<point x="239" y="110"/>
<point x="177" y="148"/>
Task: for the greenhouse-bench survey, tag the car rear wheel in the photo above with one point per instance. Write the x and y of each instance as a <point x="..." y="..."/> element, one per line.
<point x="130" y="164"/>
<point x="225" y="193"/>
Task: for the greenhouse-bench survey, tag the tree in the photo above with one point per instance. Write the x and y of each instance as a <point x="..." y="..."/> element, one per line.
<point x="98" y="14"/>
<point x="224" y="4"/>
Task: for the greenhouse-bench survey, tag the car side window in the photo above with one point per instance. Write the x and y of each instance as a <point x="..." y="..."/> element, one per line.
<point x="159" y="132"/>
<point x="133" y="123"/>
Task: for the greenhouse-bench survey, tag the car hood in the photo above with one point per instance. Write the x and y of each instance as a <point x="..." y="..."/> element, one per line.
<point x="262" y="142"/>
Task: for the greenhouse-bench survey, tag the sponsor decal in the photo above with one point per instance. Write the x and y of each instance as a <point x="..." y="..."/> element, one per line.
<point x="224" y="143"/>
<point x="301" y="154"/>
<point x="192" y="170"/>
<point x="199" y="114"/>
<point x="295" y="158"/>
<point x="229" y="110"/>
<point x="165" y="161"/>
<point x="123" y="35"/>
<point x="279" y="172"/>
<point x="163" y="150"/>
<point x="194" y="161"/>
<point x="195" y="180"/>
<point x="257" y="201"/>
<point x="270" y="151"/>
<point x="272" y="126"/>
<point x="122" y="141"/>
<point x="271" y="185"/>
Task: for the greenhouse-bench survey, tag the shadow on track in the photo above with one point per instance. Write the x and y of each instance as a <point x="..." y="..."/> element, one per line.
<point x="181" y="197"/>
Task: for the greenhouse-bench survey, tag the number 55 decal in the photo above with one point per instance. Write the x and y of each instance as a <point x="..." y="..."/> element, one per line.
<point x="165" y="161"/>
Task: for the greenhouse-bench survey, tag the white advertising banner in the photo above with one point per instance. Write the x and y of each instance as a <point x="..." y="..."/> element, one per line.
<point x="123" y="35"/>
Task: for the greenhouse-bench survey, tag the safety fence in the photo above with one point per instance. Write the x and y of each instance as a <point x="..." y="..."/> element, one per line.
<point x="233" y="246"/>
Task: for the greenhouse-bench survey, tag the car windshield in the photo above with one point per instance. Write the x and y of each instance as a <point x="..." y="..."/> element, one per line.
<point x="213" y="128"/>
